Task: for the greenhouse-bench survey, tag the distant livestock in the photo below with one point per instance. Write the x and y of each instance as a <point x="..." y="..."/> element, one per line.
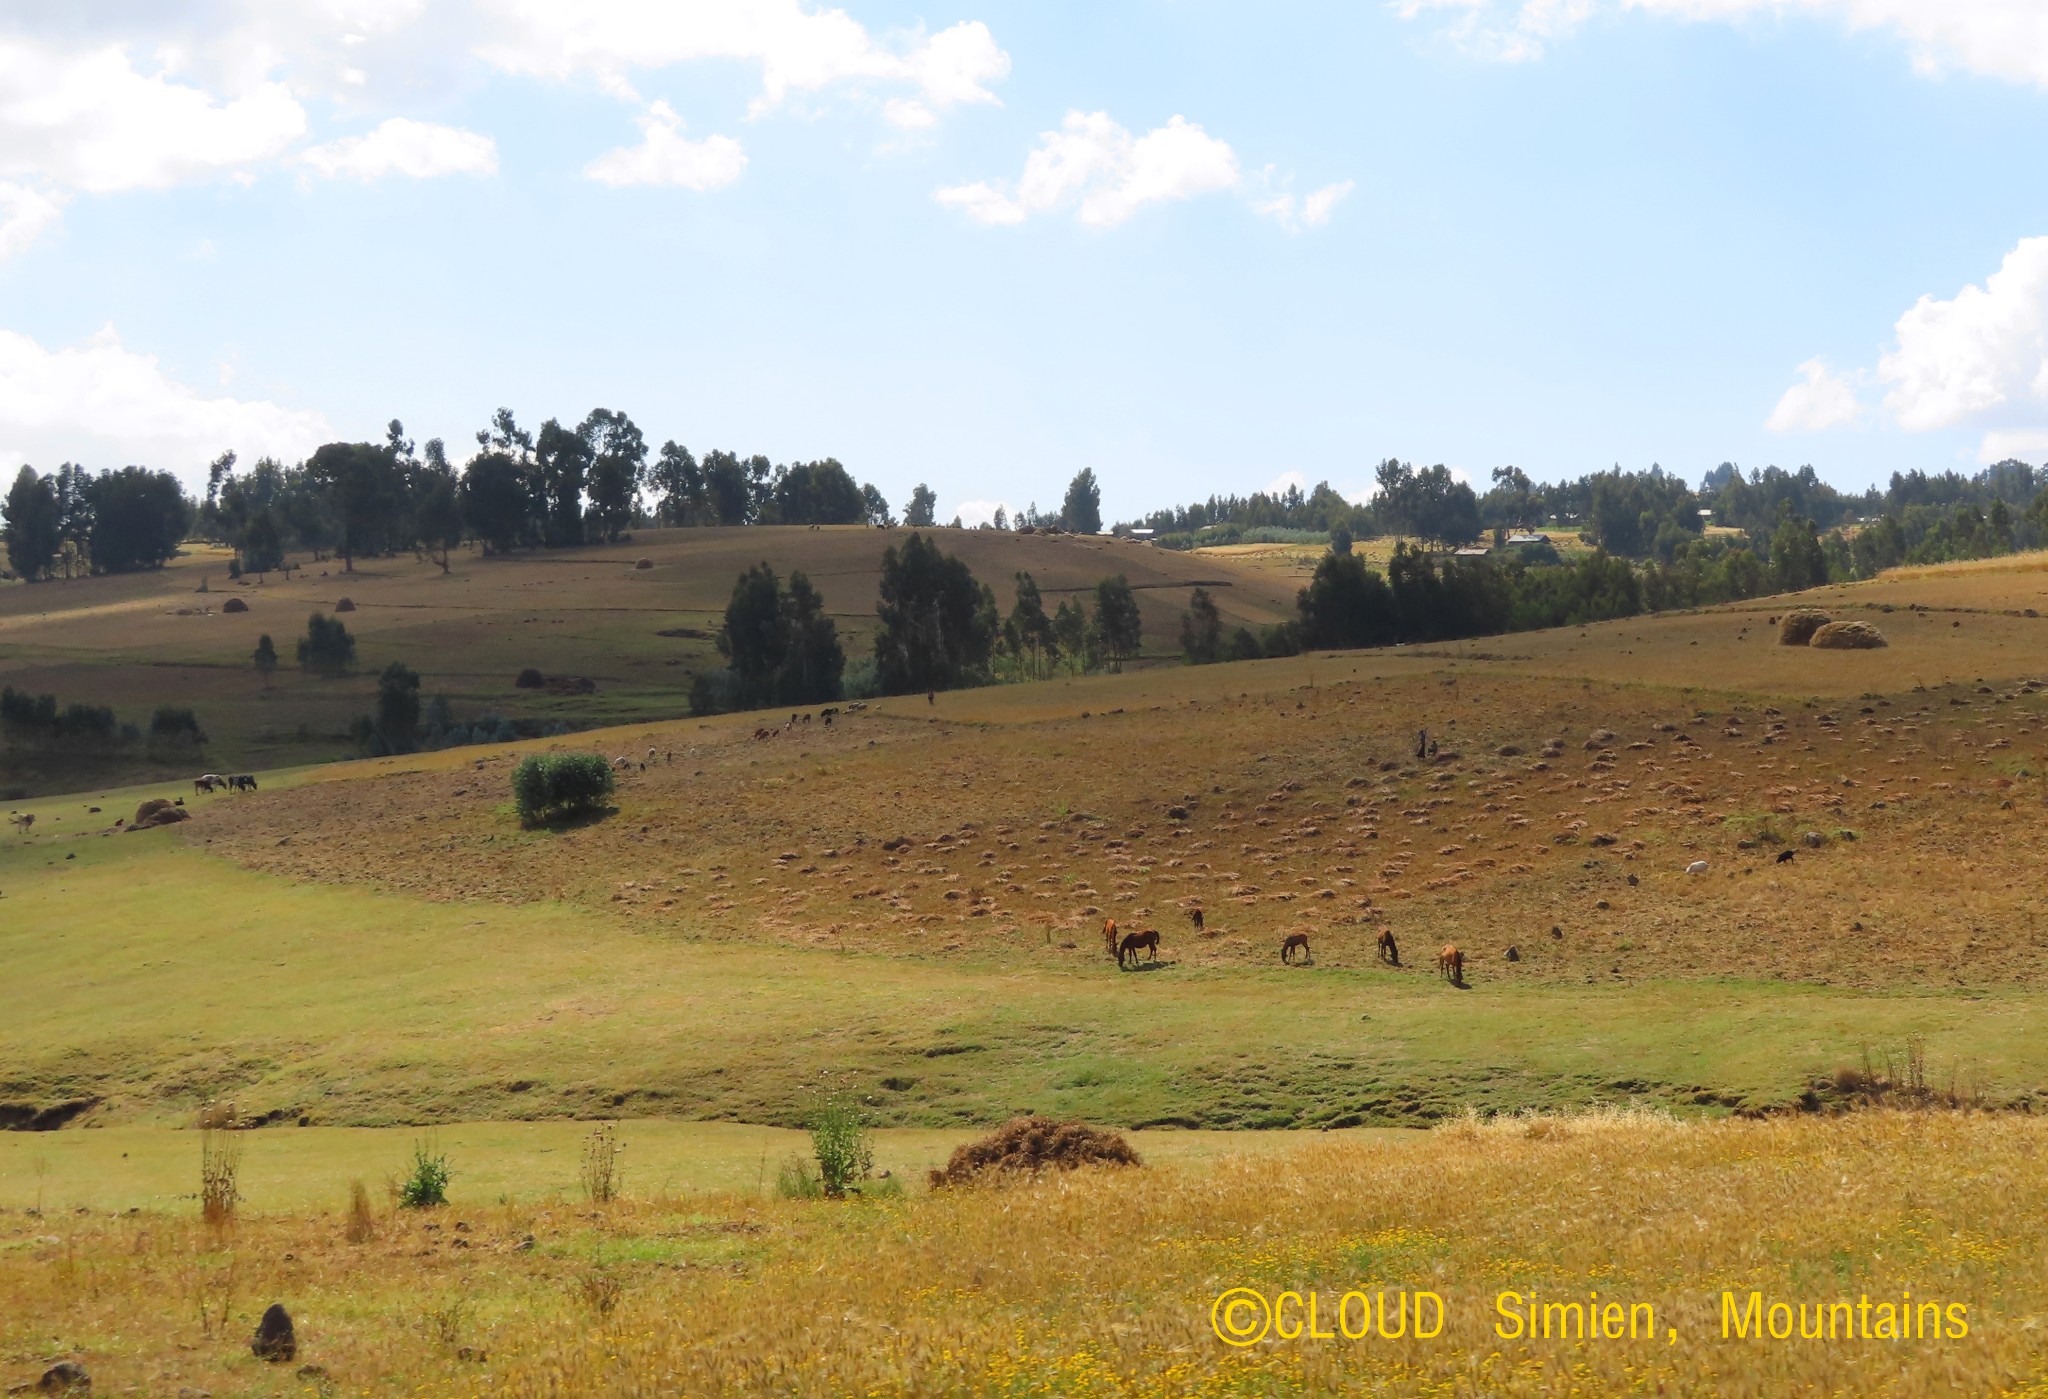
<point x="1696" y="867"/>
<point x="1109" y="937"/>
<point x="1785" y="856"/>
<point x="1450" y="964"/>
<point x="241" y="782"/>
<point x="1134" y="943"/>
<point x="208" y="783"/>
<point x="22" y="821"/>
<point x="1292" y="942"/>
<point x="1195" y="917"/>
<point x="1389" y="950"/>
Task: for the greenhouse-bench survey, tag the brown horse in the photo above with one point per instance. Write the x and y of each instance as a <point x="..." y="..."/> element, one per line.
<point x="1134" y="943"/>
<point x="1390" y="953"/>
<point x="1450" y="964"/>
<point x="1293" y="941"/>
<point x="1195" y="917"/>
<point x="1109" y="936"/>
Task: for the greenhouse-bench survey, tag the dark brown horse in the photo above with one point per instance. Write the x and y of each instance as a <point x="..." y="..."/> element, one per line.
<point x="1390" y="953"/>
<point x="1195" y="917"/>
<point x="1134" y="943"/>
<point x="1293" y="941"/>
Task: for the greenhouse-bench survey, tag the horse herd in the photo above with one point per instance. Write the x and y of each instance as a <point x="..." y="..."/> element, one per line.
<point x="214" y="782"/>
<point x="1125" y="947"/>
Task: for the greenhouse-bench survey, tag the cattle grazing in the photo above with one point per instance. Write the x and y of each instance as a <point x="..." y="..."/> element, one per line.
<point x="22" y="821"/>
<point x="241" y="782"/>
<point x="1422" y="743"/>
<point x="1292" y="941"/>
<point x="1450" y="964"/>
<point x="931" y="696"/>
<point x="1195" y="917"/>
<point x="207" y="783"/>
<point x="1109" y="936"/>
<point x="1390" y="951"/>
<point x="1134" y="943"/>
<point x="1696" y="867"/>
<point x="1785" y="856"/>
<point x="652" y="755"/>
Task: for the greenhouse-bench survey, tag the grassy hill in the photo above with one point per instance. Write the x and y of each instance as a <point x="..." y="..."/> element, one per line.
<point x="134" y="641"/>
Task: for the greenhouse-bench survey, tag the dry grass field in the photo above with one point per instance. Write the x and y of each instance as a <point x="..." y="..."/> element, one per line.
<point x="134" y="641"/>
<point x="910" y="899"/>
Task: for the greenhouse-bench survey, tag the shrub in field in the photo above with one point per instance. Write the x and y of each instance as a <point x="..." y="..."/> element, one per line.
<point x="555" y="786"/>
<point x="601" y="1174"/>
<point x="362" y="1225"/>
<point x="839" y="1139"/>
<point x="427" y="1186"/>
<point x="220" y="1169"/>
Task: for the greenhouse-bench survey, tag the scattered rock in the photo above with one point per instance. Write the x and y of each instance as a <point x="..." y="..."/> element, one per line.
<point x="274" y="1340"/>
<point x="65" y="1377"/>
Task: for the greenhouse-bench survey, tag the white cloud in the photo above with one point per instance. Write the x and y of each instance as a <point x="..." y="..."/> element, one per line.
<point x="1824" y="400"/>
<point x="1985" y="350"/>
<point x="1978" y="360"/>
<point x="981" y="512"/>
<point x="101" y="400"/>
<point x="1097" y="168"/>
<point x="400" y="146"/>
<point x="798" y="49"/>
<point x="1310" y="211"/>
<point x="24" y="214"/>
<point x="91" y="121"/>
<point x="2001" y="38"/>
<point x="666" y="157"/>
<point x="2001" y="446"/>
<point x="1287" y="481"/>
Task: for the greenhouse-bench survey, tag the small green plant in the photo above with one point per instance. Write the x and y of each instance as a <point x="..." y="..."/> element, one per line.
<point x="797" y="1179"/>
<point x="601" y="1174"/>
<point x="556" y="786"/>
<point x="427" y="1186"/>
<point x="840" y="1140"/>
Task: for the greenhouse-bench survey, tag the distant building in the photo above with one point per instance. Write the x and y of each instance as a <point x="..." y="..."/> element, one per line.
<point x="1142" y="534"/>
<point x="1473" y="551"/>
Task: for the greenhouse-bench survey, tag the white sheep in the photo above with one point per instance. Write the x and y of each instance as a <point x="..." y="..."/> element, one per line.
<point x="1696" y="867"/>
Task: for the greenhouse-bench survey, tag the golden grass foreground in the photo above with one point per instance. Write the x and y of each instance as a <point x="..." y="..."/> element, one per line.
<point x="1101" y="1283"/>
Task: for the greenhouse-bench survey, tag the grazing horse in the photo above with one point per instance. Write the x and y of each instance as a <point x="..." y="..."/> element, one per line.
<point x="1293" y="941"/>
<point x="1390" y="953"/>
<point x="1109" y="936"/>
<point x="1195" y="917"/>
<point x="22" y="822"/>
<point x="1134" y="943"/>
<point x="1450" y="964"/>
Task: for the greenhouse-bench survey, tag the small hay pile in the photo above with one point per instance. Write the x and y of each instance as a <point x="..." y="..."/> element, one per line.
<point x="345" y="605"/>
<point x="530" y="679"/>
<point x="1797" y="627"/>
<point x="1848" y="636"/>
<point x="643" y="563"/>
<point x="1029" y="1145"/>
<point x="234" y="604"/>
<point x="158" y="812"/>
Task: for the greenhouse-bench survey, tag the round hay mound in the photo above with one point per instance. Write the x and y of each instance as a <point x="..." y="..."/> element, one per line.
<point x="158" y="812"/>
<point x="643" y="563"/>
<point x="530" y="679"/>
<point x="1848" y="636"/>
<point x="234" y="604"/>
<point x="1029" y="1145"/>
<point x="345" y="605"/>
<point x="1797" y="627"/>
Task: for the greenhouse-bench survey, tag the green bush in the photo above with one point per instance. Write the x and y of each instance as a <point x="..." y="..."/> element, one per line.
<point x="427" y="1186"/>
<point x="839" y="1139"/>
<point x="556" y="786"/>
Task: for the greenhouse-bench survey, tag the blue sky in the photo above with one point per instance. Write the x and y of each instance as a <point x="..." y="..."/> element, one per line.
<point x="1196" y="247"/>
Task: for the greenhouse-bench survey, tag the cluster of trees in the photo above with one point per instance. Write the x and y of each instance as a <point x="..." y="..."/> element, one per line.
<point x="71" y="522"/>
<point x="35" y="721"/>
<point x="779" y="647"/>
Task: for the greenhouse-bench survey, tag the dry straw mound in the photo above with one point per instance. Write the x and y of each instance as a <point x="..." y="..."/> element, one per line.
<point x="158" y="812"/>
<point x="1797" y="627"/>
<point x="234" y="604"/>
<point x="345" y="605"/>
<point x="1848" y="636"/>
<point x="1028" y="1145"/>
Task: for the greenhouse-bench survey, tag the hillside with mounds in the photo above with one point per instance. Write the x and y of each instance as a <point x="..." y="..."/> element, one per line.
<point x="1683" y="862"/>
<point x="637" y="635"/>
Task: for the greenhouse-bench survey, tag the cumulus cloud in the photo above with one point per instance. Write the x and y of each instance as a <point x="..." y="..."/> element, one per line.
<point x="1978" y="360"/>
<point x="666" y="157"/>
<point x="2001" y="38"/>
<point x="1310" y="211"/>
<point x="101" y="399"/>
<point x="91" y="121"/>
<point x="1824" y="399"/>
<point x="980" y="512"/>
<point x="399" y="146"/>
<point x="24" y="214"/>
<point x="798" y="49"/>
<point x="1104" y="174"/>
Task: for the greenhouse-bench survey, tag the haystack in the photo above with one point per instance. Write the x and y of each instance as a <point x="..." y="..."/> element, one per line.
<point x="1848" y="636"/>
<point x="643" y="563"/>
<point x="345" y="605"/>
<point x="158" y="812"/>
<point x="1797" y="627"/>
<point x="530" y="679"/>
<point x="1029" y="1145"/>
<point x="234" y="604"/>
